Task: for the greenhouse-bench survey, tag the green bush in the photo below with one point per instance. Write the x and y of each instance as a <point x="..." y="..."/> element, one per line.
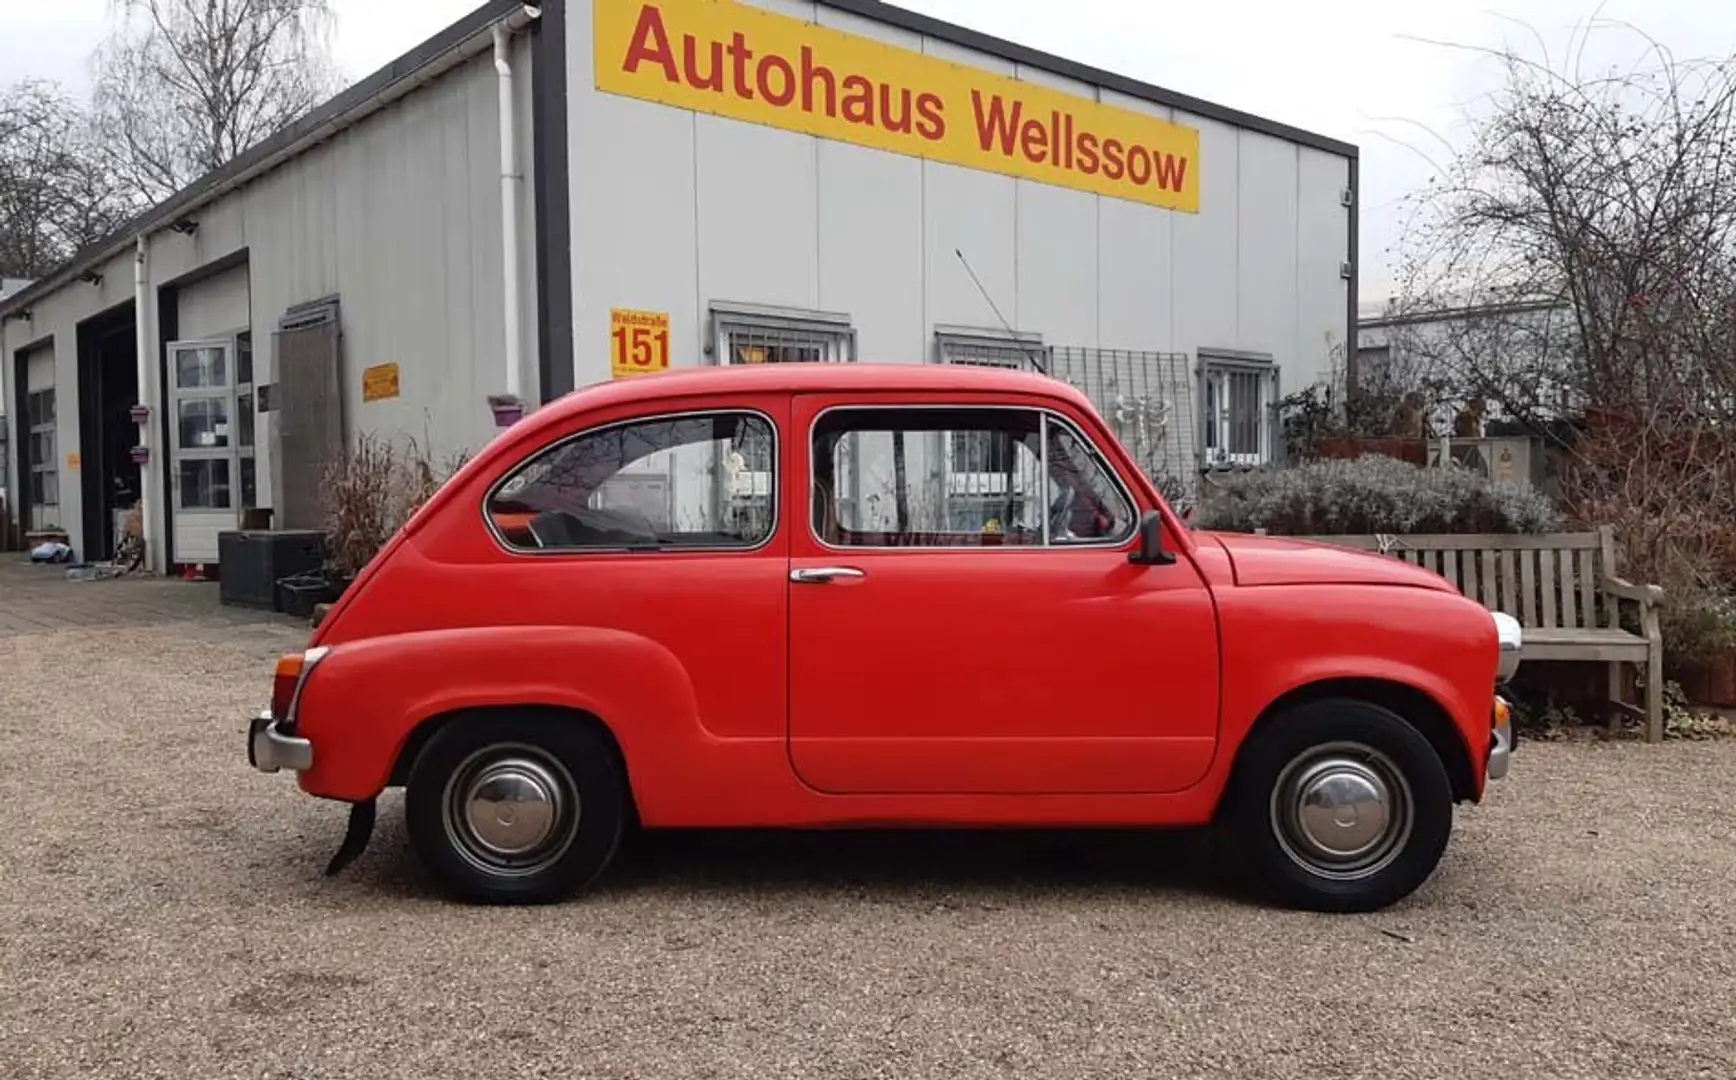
<point x="1698" y="624"/>
<point x="1369" y="494"/>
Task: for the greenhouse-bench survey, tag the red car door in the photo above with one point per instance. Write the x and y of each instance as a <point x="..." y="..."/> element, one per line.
<point x="964" y="617"/>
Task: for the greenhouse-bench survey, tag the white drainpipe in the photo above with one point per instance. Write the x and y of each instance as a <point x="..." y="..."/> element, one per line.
<point x="144" y="352"/>
<point x="509" y="201"/>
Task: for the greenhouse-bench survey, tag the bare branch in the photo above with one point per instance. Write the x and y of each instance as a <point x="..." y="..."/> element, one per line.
<point x="184" y="86"/>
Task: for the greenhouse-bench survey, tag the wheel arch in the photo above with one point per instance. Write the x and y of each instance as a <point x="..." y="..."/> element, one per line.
<point x="1415" y="707"/>
<point x="425" y="731"/>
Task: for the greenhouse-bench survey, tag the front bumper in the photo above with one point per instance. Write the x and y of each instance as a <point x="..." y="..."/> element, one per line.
<point x="1503" y="740"/>
<point x="269" y="749"/>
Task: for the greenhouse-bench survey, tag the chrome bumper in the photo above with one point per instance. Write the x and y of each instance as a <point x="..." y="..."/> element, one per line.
<point x="1501" y="742"/>
<point x="269" y="749"/>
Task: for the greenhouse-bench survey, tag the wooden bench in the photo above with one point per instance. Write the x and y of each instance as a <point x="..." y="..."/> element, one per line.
<point x="1563" y="589"/>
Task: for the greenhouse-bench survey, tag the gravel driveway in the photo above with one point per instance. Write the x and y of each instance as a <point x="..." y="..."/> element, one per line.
<point x="162" y="914"/>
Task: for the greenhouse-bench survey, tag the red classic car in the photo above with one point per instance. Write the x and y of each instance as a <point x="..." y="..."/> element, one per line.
<point x="850" y="595"/>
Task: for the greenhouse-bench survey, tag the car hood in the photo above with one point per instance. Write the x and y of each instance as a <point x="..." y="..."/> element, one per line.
<point x="1273" y="560"/>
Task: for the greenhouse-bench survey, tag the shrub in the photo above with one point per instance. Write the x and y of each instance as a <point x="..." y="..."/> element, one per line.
<point x="1698" y="624"/>
<point x="1370" y="494"/>
<point x="371" y="492"/>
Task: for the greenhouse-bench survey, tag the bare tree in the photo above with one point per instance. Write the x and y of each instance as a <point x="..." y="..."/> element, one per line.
<point x="1585" y="239"/>
<point x="1574" y="265"/>
<point x="183" y="86"/>
<point x="55" y="194"/>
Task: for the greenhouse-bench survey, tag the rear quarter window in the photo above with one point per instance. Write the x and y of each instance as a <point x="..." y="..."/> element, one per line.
<point x="679" y="482"/>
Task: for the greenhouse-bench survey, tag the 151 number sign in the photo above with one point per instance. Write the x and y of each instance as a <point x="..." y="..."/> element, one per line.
<point x="638" y="342"/>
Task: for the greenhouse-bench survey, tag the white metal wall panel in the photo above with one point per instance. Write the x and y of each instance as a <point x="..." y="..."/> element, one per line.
<point x="871" y="250"/>
<point x="871" y="228"/>
<point x="1266" y="253"/>
<point x="1322" y="246"/>
<point x="217" y="305"/>
<point x="973" y="213"/>
<point x="1135" y="277"/>
<point x="758" y="224"/>
<point x="1057" y="246"/>
<point x="1204" y="246"/>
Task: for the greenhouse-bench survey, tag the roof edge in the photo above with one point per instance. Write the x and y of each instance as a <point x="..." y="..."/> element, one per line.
<point x="258" y="159"/>
<point x="929" y="26"/>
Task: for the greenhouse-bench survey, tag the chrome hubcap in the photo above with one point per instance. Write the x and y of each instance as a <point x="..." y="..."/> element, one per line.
<point x="511" y="810"/>
<point x="1342" y="811"/>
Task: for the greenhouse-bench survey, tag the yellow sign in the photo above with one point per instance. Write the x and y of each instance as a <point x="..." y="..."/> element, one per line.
<point x="380" y="382"/>
<point x="638" y="342"/>
<point x="729" y="59"/>
<point x="73" y="461"/>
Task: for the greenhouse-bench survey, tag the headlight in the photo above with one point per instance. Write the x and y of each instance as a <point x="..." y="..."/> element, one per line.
<point x="1512" y="638"/>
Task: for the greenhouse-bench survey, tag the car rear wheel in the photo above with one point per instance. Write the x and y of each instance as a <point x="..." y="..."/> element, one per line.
<point x="1341" y="806"/>
<point x="516" y="810"/>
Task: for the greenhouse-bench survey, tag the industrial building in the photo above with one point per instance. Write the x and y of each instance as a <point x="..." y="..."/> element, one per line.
<point x="548" y="195"/>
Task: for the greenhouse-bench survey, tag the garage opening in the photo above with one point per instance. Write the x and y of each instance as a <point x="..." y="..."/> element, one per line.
<point x="108" y="388"/>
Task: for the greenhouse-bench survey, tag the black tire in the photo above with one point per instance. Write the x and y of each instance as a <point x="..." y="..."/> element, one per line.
<point x="517" y="754"/>
<point x="1348" y="741"/>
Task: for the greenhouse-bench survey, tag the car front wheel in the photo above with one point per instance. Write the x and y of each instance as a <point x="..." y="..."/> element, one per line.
<point x="1341" y="806"/>
<point x="516" y="810"/>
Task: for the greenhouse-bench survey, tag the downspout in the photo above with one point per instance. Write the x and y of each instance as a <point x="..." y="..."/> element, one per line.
<point x="508" y="408"/>
<point x="142" y="357"/>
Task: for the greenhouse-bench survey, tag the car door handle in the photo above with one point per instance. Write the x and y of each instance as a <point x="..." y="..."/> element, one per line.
<point x="820" y="575"/>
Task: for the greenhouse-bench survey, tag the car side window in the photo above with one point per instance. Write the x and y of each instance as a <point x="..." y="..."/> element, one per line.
<point x="704" y="480"/>
<point x="961" y="477"/>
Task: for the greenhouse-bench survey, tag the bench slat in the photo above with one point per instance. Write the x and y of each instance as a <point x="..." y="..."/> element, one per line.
<point x="1587" y="590"/>
<point x="1451" y="559"/>
<point x="1491" y="598"/>
<point x="1509" y="589"/>
<point x="1568" y="562"/>
<point x="1528" y="585"/>
<point x="1545" y="573"/>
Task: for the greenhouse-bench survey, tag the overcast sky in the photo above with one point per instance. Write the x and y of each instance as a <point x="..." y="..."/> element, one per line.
<point x="1344" y="68"/>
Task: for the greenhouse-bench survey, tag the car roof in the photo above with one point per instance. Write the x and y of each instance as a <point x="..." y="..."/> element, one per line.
<point x="809" y="378"/>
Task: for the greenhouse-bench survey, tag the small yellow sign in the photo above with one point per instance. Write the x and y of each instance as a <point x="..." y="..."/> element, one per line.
<point x="73" y="461"/>
<point x="380" y="382"/>
<point x="638" y="342"/>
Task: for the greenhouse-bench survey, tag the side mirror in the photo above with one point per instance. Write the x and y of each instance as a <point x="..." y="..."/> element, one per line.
<point x="1150" y="551"/>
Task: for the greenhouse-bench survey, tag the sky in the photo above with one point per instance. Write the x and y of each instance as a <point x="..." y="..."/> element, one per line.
<point x="1382" y="74"/>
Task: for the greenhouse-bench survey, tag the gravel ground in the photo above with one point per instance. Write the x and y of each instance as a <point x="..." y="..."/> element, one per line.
<point x="162" y="914"/>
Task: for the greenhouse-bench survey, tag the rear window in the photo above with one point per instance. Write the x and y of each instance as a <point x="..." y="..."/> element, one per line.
<point x="680" y="482"/>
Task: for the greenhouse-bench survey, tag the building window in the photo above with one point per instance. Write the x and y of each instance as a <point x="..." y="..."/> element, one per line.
<point x="669" y="483"/>
<point x="1238" y="392"/>
<point x="41" y="449"/>
<point x="753" y="334"/>
<point x="980" y="464"/>
<point x="1015" y="350"/>
<point x="1055" y="490"/>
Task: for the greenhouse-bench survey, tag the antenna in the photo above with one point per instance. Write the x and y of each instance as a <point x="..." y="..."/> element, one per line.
<point x="1038" y="364"/>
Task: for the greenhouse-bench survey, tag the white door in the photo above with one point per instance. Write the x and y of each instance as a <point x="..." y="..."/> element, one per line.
<point x="204" y="467"/>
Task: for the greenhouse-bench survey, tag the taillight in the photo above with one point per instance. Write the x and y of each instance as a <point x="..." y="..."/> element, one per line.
<point x="292" y="670"/>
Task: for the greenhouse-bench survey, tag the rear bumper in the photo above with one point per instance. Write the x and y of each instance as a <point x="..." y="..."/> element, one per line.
<point x="270" y="749"/>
